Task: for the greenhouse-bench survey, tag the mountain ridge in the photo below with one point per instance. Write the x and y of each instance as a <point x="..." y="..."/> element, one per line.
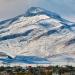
<point x="38" y="32"/>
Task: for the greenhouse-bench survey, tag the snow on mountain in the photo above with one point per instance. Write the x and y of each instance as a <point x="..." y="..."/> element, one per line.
<point x="40" y="33"/>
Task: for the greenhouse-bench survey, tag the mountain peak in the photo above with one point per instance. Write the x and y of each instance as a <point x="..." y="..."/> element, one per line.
<point x="33" y="11"/>
<point x="39" y="11"/>
<point x="39" y="33"/>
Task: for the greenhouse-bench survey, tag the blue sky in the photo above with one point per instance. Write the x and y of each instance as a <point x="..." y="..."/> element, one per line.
<point x="11" y="8"/>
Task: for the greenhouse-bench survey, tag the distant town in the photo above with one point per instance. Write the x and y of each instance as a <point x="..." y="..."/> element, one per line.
<point x="39" y="70"/>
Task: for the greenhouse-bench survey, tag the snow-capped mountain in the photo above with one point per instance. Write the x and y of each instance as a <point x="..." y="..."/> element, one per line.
<point x="39" y="33"/>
